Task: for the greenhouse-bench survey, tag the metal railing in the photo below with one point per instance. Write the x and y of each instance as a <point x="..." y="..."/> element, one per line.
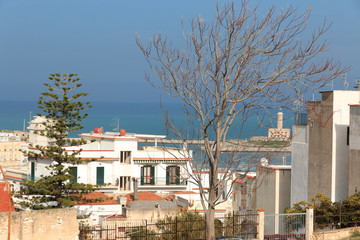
<point x="300" y="118"/>
<point x="234" y="226"/>
<point x="145" y="181"/>
<point x="285" y="226"/>
<point x="337" y="215"/>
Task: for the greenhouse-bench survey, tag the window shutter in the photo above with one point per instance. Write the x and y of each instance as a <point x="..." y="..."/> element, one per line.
<point x="167" y="175"/>
<point x="142" y="176"/>
<point x="177" y="175"/>
<point x="152" y="174"/>
<point x="100" y="175"/>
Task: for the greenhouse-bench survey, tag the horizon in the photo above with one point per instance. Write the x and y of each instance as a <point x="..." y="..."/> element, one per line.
<point x="97" y="41"/>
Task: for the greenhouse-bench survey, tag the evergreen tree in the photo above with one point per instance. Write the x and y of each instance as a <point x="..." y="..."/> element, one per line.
<point x="63" y="112"/>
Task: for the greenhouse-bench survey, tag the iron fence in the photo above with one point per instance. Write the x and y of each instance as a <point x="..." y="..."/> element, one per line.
<point x="234" y="226"/>
<point x="285" y="226"/>
<point x="337" y="215"/>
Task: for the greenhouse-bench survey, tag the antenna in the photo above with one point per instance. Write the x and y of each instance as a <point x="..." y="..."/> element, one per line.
<point x="116" y="124"/>
<point x="357" y="84"/>
<point x="346" y="83"/>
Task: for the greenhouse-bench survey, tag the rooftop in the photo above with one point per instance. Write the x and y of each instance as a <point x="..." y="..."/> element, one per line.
<point x="143" y="196"/>
<point x="90" y="199"/>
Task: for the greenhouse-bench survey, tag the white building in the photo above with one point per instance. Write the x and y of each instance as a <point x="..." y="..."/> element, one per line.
<point x="35" y="126"/>
<point x="115" y="159"/>
<point x="320" y="150"/>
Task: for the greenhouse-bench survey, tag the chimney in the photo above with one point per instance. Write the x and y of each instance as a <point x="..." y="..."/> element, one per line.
<point x="135" y="189"/>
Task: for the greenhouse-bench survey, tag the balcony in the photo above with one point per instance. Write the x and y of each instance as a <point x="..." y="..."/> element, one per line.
<point x="300" y="118"/>
<point x="150" y="182"/>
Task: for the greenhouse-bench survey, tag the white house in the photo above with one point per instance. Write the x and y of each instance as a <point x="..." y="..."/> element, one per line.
<point x="116" y="158"/>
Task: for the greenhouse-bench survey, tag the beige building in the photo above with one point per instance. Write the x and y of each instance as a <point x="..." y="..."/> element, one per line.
<point x="279" y="132"/>
<point x="10" y="154"/>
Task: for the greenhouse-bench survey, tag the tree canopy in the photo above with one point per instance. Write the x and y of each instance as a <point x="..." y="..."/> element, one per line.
<point x="62" y="109"/>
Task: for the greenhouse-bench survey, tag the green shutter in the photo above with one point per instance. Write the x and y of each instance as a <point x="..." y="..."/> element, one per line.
<point x="167" y="175"/>
<point x="32" y="177"/>
<point x="100" y="175"/>
<point x="177" y="181"/>
<point x="142" y="176"/>
<point x="73" y="172"/>
<point x="152" y="174"/>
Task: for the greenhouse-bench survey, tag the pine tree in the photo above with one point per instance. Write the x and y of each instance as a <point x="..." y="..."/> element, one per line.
<point x="63" y="113"/>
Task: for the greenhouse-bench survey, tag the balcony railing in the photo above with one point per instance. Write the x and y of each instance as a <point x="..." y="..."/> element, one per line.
<point x="300" y="118"/>
<point x="152" y="181"/>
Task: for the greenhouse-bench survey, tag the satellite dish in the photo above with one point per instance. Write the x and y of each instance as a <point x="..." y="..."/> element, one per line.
<point x="264" y="162"/>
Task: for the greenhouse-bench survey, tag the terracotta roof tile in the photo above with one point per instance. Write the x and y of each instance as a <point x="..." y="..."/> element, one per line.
<point x="114" y="216"/>
<point x="171" y="196"/>
<point x="97" y="195"/>
<point x="143" y="196"/>
<point x="4" y="199"/>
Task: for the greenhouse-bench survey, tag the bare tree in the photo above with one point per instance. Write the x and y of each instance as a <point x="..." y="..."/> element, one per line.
<point x="233" y="66"/>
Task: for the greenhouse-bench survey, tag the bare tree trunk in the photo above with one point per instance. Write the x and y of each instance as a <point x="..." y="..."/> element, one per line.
<point x="210" y="224"/>
<point x="210" y="214"/>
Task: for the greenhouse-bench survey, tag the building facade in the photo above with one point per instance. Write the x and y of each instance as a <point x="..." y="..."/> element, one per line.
<point x="114" y="160"/>
<point x="320" y="153"/>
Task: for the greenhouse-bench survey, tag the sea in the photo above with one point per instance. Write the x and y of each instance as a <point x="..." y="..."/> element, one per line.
<point x="135" y="117"/>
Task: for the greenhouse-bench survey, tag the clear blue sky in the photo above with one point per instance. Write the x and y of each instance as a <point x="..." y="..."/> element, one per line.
<point x="97" y="40"/>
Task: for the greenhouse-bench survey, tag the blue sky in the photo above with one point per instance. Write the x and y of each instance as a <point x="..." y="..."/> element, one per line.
<point x="97" y="40"/>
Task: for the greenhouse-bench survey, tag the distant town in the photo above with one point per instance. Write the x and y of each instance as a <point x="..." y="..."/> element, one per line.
<point x="141" y="180"/>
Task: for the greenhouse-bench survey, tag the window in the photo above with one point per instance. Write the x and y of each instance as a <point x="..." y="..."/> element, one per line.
<point x="125" y="157"/>
<point x="147" y="175"/>
<point x="100" y="176"/>
<point x="124" y="183"/>
<point x="173" y="175"/>
<point x="32" y="176"/>
<point x="348" y="136"/>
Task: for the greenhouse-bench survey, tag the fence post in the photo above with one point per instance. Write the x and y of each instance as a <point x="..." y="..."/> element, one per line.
<point x="260" y="224"/>
<point x="309" y="222"/>
<point x="233" y="218"/>
<point x="176" y="228"/>
<point x="340" y="215"/>
<point x="146" y="230"/>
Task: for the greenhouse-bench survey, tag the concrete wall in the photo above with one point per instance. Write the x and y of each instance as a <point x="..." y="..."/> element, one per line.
<point x="284" y="189"/>
<point x="341" y="121"/>
<point x="266" y="189"/>
<point x="151" y="215"/>
<point x="299" y="164"/>
<point x="354" y="152"/>
<point x="320" y="146"/>
<point x="57" y="224"/>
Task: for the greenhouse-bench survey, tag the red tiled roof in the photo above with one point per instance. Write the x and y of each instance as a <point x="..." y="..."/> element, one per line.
<point x="171" y="196"/>
<point x="4" y="199"/>
<point x="97" y="195"/>
<point x="115" y="216"/>
<point x="238" y="181"/>
<point x="143" y="196"/>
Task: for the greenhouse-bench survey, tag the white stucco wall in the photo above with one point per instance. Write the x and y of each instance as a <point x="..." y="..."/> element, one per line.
<point x="299" y="164"/>
<point x="98" y="210"/>
<point x="341" y="120"/>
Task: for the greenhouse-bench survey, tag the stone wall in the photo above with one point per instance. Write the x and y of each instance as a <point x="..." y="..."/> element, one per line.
<point x="57" y="224"/>
<point x="343" y="233"/>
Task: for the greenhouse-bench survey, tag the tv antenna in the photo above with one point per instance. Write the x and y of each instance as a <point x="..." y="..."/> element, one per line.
<point x="346" y="83"/>
<point x="357" y="84"/>
<point x="116" y="124"/>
